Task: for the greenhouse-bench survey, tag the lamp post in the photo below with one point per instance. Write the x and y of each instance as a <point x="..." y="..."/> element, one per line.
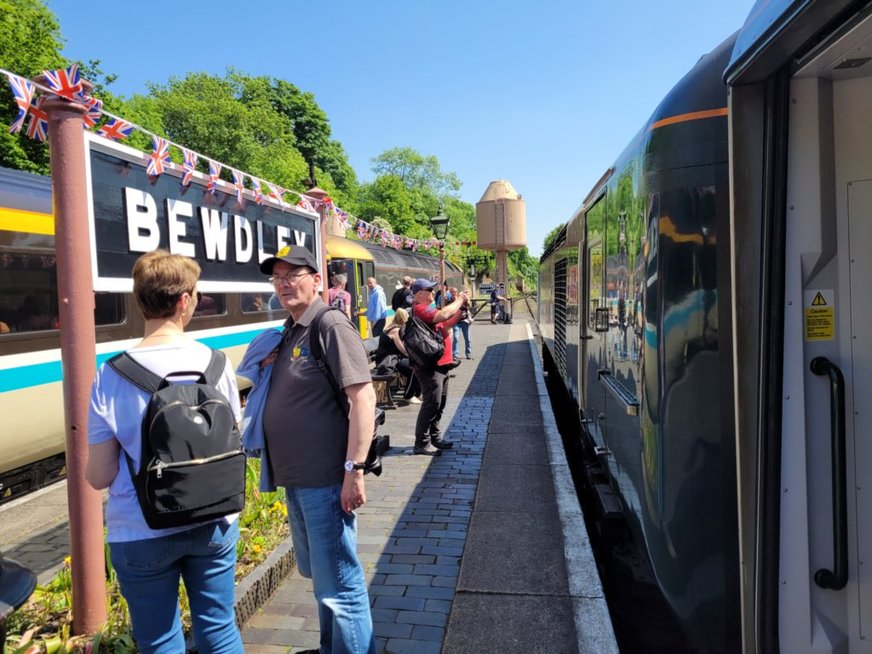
<point x="439" y="224"/>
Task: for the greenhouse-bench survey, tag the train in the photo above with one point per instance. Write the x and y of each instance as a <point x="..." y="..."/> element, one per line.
<point x="705" y="315"/>
<point x="32" y="442"/>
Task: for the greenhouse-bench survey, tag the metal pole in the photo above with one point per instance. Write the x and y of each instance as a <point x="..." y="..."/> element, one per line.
<point x="442" y="273"/>
<point x="78" y="355"/>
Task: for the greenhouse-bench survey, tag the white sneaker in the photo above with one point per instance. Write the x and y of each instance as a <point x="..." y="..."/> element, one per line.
<point x="414" y="400"/>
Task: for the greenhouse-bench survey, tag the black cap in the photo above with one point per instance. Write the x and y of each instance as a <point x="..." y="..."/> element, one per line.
<point x="296" y="255"/>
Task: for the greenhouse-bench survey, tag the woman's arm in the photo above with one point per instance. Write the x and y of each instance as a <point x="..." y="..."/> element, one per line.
<point x="102" y="464"/>
<point x="395" y="337"/>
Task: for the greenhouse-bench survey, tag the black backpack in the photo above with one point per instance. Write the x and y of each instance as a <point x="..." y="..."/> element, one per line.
<point x="192" y="467"/>
<point x="338" y="302"/>
<point x="424" y="345"/>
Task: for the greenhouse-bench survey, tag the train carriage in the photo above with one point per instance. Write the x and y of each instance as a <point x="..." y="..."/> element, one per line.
<point x="635" y="326"/>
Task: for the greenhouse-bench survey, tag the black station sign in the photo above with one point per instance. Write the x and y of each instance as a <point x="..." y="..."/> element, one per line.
<point x="132" y="213"/>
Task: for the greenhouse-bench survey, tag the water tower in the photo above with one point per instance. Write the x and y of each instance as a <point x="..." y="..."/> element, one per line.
<point x="501" y="217"/>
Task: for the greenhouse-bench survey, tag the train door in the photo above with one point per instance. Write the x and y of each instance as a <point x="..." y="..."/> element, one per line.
<point x="365" y="270"/>
<point x="596" y="328"/>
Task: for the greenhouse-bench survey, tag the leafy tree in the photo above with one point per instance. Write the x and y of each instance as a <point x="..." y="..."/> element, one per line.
<point x="30" y="42"/>
<point x="416" y="170"/>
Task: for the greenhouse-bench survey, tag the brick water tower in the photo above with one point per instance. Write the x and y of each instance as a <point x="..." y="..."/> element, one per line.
<point x="501" y="217"/>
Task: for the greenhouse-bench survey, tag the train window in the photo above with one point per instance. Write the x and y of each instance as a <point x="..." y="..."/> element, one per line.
<point x="109" y="308"/>
<point x="212" y="304"/>
<point x="254" y="302"/>
<point x="28" y="292"/>
<point x="595" y="220"/>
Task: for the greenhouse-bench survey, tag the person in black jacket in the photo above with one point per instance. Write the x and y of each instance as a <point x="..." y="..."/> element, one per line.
<point x="403" y="297"/>
<point x="391" y="355"/>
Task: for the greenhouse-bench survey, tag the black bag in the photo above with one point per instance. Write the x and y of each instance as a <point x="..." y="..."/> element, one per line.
<point x="192" y="467"/>
<point x="424" y="345"/>
<point x="380" y="444"/>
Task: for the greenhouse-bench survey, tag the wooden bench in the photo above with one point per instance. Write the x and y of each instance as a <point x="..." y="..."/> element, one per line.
<point x="384" y="385"/>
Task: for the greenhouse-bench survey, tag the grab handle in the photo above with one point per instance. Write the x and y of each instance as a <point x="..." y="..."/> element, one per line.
<point x="838" y="578"/>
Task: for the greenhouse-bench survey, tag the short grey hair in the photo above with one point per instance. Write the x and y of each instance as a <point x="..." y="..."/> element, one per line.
<point x="339" y="278"/>
<point x="407" y="281"/>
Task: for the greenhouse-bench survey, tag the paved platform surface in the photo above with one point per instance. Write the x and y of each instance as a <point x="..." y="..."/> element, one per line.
<point x="480" y="550"/>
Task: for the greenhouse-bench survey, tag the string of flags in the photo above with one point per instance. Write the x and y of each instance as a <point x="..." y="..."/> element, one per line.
<point x="67" y="83"/>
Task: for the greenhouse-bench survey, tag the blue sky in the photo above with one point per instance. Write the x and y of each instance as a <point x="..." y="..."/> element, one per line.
<point x="545" y="94"/>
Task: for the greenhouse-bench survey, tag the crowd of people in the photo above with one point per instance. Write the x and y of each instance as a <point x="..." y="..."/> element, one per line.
<point x="311" y="421"/>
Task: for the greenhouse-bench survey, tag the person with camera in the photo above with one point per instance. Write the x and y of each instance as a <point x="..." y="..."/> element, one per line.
<point x="434" y="379"/>
<point x="317" y="440"/>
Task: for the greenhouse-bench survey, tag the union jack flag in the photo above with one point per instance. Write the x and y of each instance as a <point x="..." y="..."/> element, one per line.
<point x="65" y="82"/>
<point x="258" y="194"/>
<point x="276" y="192"/>
<point x="306" y="205"/>
<point x="116" y="129"/>
<point x="22" y="90"/>
<point x="397" y="242"/>
<point x="159" y="157"/>
<point x="37" y="128"/>
<point x="214" y="171"/>
<point x="342" y="217"/>
<point x="361" y="230"/>
<point x="189" y="166"/>
<point x="95" y="110"/>
<point x="238" y="178"/>
<point x="385" y="238"/>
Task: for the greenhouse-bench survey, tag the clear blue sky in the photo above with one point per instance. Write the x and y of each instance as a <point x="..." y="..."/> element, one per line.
<point x="545" y="94"/>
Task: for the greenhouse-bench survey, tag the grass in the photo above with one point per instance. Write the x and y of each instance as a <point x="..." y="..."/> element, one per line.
<point x="43" y="624"/>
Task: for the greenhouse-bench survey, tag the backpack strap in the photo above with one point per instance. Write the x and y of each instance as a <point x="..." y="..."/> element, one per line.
<point x="215" y="369"/>
<point x="318" y="354"/>
<point x="134" y="372"/>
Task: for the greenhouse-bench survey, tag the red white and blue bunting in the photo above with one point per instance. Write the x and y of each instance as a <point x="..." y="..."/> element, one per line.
<point x="67" y="84"/>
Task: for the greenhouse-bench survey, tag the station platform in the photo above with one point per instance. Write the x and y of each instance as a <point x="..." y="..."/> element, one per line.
<point x="483" y="549"/>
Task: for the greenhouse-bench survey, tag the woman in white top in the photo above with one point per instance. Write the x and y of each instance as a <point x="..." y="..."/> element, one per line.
<point x="150" y="562"/>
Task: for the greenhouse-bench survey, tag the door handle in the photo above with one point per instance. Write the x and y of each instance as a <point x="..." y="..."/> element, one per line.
<point x="838" y="577"/>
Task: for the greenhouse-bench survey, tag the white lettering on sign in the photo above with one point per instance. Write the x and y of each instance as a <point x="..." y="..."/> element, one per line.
<point x="143" y="234"/>
<point x="283" y="235"/>
<point x="145" y="224"/>
<point x="214" y="224"/>
<point x="176" y="208"/>
<point x="244" y="240"/>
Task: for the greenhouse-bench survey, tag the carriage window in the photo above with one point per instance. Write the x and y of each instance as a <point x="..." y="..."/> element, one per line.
<point x="29" y="295"/>
<point x="210" y="304"/>
<point x="260" y="303"/>
<point x="595" y="231"/>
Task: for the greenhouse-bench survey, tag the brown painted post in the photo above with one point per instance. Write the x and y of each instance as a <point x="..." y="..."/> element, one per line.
<point x="320" y="194"/>
<point x="76" y="313"/>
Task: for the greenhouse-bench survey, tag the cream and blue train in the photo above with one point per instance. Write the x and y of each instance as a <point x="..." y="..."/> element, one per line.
<point x="31" y="402"/>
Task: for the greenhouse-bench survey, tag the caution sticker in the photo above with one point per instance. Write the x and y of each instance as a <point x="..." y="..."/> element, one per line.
<point x="819" y="312"/>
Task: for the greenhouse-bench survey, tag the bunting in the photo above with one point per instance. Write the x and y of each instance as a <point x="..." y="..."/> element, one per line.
<point x="95" y="110"/>
<point x="65" y="82"/>
<point x="258" y="194"/>
<point x="159" y="158"/>
<point x="214" y="172"/>
<point x="238" y="178"/>
<point x="37" y="128"/>
<point x="116" y="129"/>
<point x="189" y="166"/>
<point x="22" y="91"/>
<point x="306" y="205"/>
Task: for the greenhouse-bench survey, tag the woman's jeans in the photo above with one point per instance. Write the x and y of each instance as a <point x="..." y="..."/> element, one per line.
<point x="325" y="546"/>
<point x="461" y="326"/>
<point x="149" y="571"/>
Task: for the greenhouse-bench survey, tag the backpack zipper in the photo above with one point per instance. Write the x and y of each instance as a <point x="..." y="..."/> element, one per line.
<point x="159" y="466"/>
<point x="171" y="405"/>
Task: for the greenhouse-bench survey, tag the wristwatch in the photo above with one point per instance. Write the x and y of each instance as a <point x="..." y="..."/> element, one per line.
<point x="351" y="466"/>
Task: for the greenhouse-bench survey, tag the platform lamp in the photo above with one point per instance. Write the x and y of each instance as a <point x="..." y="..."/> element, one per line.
<point x="439" y="225"/>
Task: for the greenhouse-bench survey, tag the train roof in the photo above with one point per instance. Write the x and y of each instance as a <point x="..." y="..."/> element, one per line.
<point x="345" y="248"/>
<point x="25" y="191"/>
<point x="388" y="257"/>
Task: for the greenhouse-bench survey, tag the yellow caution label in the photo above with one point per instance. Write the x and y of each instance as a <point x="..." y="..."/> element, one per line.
<point x="819" y="314"/>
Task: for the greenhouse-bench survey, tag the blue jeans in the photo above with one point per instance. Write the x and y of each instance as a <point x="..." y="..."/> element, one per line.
<point x="325" y="546"/>
<point x="461" y="326"/>
<point x="149" y="571"/>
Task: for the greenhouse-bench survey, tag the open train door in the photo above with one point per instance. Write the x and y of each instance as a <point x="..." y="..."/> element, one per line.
<point x="801" y="191"/>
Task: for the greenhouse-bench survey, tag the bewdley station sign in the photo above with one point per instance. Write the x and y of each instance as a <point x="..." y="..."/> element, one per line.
<point x="131" y="213"/>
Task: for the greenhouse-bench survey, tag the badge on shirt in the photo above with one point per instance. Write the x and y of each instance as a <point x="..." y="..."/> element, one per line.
<point x="298" y="352"/>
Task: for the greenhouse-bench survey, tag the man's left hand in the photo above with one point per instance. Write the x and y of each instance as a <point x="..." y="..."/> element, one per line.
<point x="353" y="494"/>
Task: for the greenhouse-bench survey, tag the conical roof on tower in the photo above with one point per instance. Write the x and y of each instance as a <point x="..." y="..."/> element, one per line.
<point x="500" y="189"/>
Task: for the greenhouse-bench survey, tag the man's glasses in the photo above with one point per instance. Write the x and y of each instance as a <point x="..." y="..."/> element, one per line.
<point x="278" y="280"/>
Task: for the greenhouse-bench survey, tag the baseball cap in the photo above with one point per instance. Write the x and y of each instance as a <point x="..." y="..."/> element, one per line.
<point x="296" y="255"/>
<point x="422" y="284"/>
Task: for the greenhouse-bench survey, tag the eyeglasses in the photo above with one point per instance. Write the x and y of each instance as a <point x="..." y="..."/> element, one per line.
<point x="278" y="280"/>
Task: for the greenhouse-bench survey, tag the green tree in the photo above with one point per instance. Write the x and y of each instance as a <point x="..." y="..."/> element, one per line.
<point x="416" y="170"/>
<point x="30" y="42"/>
<point x="551" y="236"/>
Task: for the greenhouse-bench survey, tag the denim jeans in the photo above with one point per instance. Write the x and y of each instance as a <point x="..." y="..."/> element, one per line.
<point x="461" y="326"/>
<point x="325" y="546"/>
<point x="149" y="571"/>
